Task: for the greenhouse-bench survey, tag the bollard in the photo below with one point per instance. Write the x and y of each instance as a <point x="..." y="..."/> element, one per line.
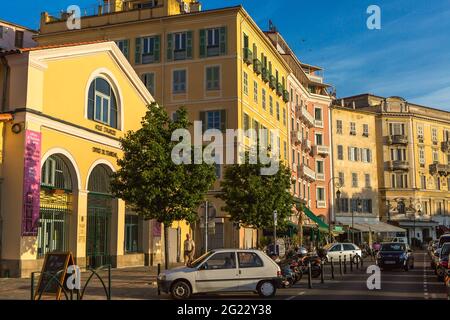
<point x="332" y="268"/>
<point x="351" y="263"/>
<point x="357" y="262"/>
<point x="309" y="275"/>
<point x="32" y="286"/>
<point x="340" y="265"/>
<point x="362" y="263"/>
<point x="321" y="272"/>
<point x="345" y="264"/>
<point x="159" y="271"/>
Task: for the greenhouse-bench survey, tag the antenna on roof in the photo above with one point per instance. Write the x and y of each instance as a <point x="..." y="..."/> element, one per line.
<point x="272" y="27"/>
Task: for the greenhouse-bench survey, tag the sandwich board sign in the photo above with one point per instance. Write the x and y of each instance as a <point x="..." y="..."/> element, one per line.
<point x="54" y="270"/>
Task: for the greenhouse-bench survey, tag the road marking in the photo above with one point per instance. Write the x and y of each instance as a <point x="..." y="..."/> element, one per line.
<point x="298" y="294"/>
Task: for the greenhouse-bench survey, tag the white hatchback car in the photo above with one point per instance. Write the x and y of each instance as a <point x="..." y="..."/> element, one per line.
<point x="336" y="250"/>
<point x="224" y="270"/>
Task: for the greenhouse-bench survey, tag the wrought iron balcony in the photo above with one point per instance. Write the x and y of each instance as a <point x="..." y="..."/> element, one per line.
<point x="265" y="74"/>
<point x="257" y="66"/>
<point x="321" y="150"/>
<point x="440" y="169"/>
<point x="398" y="139"/>
<point x="248" y="56"/>
<point x="307" y="173"/>
<point x="279" y="89"/>
<point x="285" y="96"/>
<point x="272" y="82"/>
<point x="307" y="117"/>
<point x="306" y="144"/>
<point x="296" y="137"/>
<point x="398" y="165"/>
<point x="445" y="146"/>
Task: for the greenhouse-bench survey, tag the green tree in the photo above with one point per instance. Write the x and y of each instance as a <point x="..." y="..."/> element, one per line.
<point x="251" y="198"/>
<point x="150" y="182"/>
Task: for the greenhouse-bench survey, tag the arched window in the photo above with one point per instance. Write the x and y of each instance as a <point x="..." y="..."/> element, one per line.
<point x="102" y="103"/>
<point x="55" y="174"/>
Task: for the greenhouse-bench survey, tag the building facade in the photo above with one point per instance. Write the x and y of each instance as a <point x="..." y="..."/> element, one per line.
<point x="14" y="36"/>
<point x="216" y="63"/>
<point x="63" y="114"/>
<point x="413" y="160"/>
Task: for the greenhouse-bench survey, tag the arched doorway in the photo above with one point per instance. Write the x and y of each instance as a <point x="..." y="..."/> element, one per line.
<point x="56" y="205"/>
<point x="99" y="212"/>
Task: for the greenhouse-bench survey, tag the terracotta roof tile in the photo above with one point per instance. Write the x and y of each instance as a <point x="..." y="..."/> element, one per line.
<point x="63" y="45"/>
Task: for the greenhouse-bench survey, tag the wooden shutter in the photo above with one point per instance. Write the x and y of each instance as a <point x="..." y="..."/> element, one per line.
<point x="189" y="44"/>
<point x="170" y="47"/>
<point x="203" y="120"/>
<point x="157" y="48"/>
<point x="202" y="43"/>
<point x="223" y="40"/>
<point x="138" y="51"/>
<point x="126" y="49"/>
<point x="349" y="153"/>
<point x="209" y="72"/>
<point x="223" y="120"/>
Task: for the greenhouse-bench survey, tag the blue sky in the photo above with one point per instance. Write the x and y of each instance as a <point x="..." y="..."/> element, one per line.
<point x="408" y="57"/>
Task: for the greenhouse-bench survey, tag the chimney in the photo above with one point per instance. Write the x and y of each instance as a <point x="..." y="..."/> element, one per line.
<point x="342" y="103"/>
<point x="353" y="105"/>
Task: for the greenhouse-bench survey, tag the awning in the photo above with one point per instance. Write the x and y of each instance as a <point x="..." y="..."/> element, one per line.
<point x="377" y="227"/>
<point x="322" y="225"/>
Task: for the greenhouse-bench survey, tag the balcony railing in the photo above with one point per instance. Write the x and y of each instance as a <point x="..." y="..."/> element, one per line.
<point x="272" y="82"/>
<point x="296" y="137"/>
<point x="318" y="123"/>
<point x="307" y="117"/>
<point x="180" y="55"/>
<point x="321" y="150"/>
<point x="265" y="74"/>
<point x="320" y="176"/>
<point x="398" y="139"/>
<point x="398" y="165"/>
<point x="440" y="169"/>
<point x="257" y="66"/>
<point x="248" y="56"/>
<point x="315" y="78"/>
<point x="445" y="146"/>
<point x="280" y="89"/>
<point x="321" y="204"/>
<point x="306" y="144"/>
<point x="285" y="95"/>
<point x="148" y="58"/>
<point x="307" y="173"/>
<point x="213" y="51"/>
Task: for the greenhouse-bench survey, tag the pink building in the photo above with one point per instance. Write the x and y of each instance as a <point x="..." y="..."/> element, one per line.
<point x="14" y="36"/>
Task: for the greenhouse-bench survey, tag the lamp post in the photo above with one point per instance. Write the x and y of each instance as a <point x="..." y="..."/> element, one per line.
<point x="338" y="196"/>
<point x="275" y="222"/>
<point x="359" y="209"/>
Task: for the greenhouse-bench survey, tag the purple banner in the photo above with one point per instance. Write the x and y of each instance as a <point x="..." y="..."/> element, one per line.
<point x="156" y="229"/>
<point x="31" y="183"/>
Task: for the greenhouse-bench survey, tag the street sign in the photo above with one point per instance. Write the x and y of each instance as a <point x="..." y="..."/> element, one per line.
<point x="275" y="217"/>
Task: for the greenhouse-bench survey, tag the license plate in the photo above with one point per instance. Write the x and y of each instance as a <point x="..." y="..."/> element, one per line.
<point x="389" y="262"/>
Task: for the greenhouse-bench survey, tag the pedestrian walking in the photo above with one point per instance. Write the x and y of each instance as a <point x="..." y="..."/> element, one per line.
<point x="189" y="250"/>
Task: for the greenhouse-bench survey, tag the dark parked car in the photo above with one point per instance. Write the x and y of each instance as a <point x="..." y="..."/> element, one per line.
<point x="395" y="255"/>
<point x="442" y="262"/>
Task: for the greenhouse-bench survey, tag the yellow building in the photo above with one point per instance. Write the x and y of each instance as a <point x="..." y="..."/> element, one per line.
<point x="216" y="63"/>
<point x="355" y="172"/>
<point x="413" y="151"/>
<point x="64" y="111"/>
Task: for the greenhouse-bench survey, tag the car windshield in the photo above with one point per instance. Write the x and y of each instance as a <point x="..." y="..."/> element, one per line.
<point x="392" y="247"/>
<point x="199" y="260"/>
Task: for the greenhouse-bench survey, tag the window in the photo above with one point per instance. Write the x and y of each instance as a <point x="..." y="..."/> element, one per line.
<point x="343" y="205"/>
<point x="245" y="83"/>
<point x="246" y="125"/>
<point x="179" y="45"/>
<point x="353" y="153"/>
<point x="319" y="167"/>
<point x="222" y="260"/>
<point x="149" y="81"/>
<point x="319" y="139"/>
<point x="320" y="194"/>
<point x="398" y="154"/>
<point x="285" y="150"/>
<point x="278" y="111"/>
<point x="434" y="134"/>
<point x="180" y="41"/>
<point x="399" y="181"/>
<point x="420" y="131"/>
<point x="367" y="180"/>
<point x="214" y="119"/>
<point x="146" y="5"/>
<point x="213" y="42"/>
<point x="179" y="81"/>
<point x="354" y="180"/>
<point x="255" y="91"/>
<point x="213" y="78"/>
<point x="341" y="179"/>
<point x="366" y="205"/>
<point x="18" y="43"/>
<point x="271" y="105"/>
<point x="437" y="183"/>
<point x="124" y="46"/>
<point x="423" y="182"/>
<point x="148" y="50"/>
<point x="348" y="247"/>
<point x="318" y="114"/>
<point x="102" y="103"/>
<point x="366" y="155"/>
<point x="249" y="260"/>
<point x="421" y="155"/>
<point x="339" y="126"/>
<point x="396" y="129"/>
<point x="353" y="128"/>
<point x="284" y="116"/>
<point x="365" y="130"/>
<point x="131" y="233"/>
<point x="340" y="152"/>
<point x="435" y="156"/>
<point x="263" y="98"/>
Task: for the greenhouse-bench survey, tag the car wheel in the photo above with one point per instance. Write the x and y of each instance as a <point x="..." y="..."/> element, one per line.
<point x="181" y="290"/>
<point x="266" y="289"/>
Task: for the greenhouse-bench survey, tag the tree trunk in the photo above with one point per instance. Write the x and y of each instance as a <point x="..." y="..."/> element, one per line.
<point x="166" y="246"/>
<point x="300" y="229"/>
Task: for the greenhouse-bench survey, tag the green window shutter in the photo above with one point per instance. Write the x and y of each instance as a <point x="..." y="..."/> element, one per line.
<point x="208" y="77"/>
<point x="223" y="120"/>
<point x="170" y="47"/>
<point x="202" y="43"/>
<point x="138" y="52"/>
<point x="157" y="48"/>
<point x="189" y="46"/>
<point x="126" y="49"/>
<point x="223" y="40"/>
<point x="203" y="120"/>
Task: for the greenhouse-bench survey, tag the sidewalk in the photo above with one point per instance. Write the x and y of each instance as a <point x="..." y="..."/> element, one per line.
<point x="126" y="283"/>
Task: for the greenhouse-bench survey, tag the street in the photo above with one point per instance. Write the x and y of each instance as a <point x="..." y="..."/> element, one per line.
<point x="139" y="283"/>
